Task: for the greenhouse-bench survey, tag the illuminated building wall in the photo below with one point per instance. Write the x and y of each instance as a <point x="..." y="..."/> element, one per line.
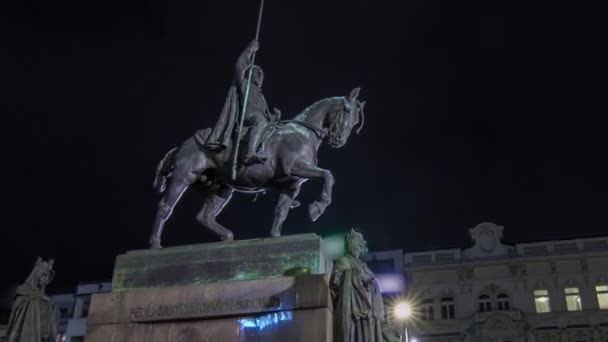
<point x="551" y="291"/>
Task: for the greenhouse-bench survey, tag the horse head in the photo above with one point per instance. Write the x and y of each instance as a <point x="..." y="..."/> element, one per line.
<point x="347" y="114"/>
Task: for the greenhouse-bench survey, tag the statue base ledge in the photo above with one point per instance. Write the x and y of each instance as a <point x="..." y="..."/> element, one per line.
<point x="219" y="262"/>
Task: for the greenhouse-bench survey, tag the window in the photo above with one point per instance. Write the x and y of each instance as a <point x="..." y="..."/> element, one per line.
<point x="541" y="301"/>
<point x="485" y="303"/>
<point x="81" y="310"/>
<point x="427" y="309"/>
<point x="502" y="301"/>
<point x="447" y="308"/>
<point x="573" y="299"/>
<point x="602" y="296"/>
<point x="85" y="308"/>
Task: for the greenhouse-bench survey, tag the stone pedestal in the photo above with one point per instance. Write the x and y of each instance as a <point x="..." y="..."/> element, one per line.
<point x="243" y="291"/>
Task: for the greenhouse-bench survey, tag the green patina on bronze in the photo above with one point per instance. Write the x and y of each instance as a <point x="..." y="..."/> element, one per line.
<point x="219" y="262"/>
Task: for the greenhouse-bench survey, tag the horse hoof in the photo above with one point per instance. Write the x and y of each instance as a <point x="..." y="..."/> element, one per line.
<point x="227" y="236"/>
<point x="314" y="211"/>
<point x="155" y="245"/>
<point x="275" y="233"/>
<point x="294" y="204"/>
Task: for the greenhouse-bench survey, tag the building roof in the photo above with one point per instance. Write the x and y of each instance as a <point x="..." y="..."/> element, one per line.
<point x="488" y="245"/>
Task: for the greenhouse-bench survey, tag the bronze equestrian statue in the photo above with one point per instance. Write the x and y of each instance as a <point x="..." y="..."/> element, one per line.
<point x="280" y="155"/>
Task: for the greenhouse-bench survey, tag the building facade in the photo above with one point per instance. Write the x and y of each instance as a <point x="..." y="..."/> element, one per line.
<point x="74" y="308"/>
<point x="388" y="269"/>
<point x="552" y="291"/>
<point x="64" y="304"/>
<point x="6" y="301"/>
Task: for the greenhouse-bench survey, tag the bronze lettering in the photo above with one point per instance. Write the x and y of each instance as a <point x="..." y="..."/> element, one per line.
<point x="182" y="310"/>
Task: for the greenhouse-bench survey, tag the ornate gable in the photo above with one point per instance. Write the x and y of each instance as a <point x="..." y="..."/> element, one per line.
<point x="487" y="237"/>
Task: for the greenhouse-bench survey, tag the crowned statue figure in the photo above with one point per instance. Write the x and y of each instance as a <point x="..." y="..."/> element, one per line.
<point x="33" y="317"/>
<point x="358" y="307"/>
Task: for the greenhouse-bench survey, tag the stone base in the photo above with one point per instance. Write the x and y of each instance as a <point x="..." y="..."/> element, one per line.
<point x="219" y="262"/>
<point x="312" y="325"/>
<point x="188" y="294"/>
<point x="279" y="309"/>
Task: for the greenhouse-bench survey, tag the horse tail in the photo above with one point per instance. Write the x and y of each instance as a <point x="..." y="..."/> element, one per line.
<point x="163" y="170"/>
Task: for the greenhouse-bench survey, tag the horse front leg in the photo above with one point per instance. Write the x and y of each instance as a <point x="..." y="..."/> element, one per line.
<point x="286" y="201"/>
<point x="214" y="203"/>
<point x="306" y="170"/>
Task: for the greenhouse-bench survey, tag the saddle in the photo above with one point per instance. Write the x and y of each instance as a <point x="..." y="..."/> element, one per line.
<point x="202" y="135"/>
<point x="268" y="131"/>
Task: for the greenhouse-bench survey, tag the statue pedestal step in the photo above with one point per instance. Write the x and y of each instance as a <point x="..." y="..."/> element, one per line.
<point x="237" y="291"/>
<point x="219" y="262"/>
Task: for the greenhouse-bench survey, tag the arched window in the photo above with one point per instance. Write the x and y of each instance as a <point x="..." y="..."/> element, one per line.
<point x="502" y="302"/>
<point x="602" y="296"/>
<point x="573" y="299"/>
<point x="427" y="309"/>
<point x="541" y="301"/>
<point x="485" y="303"/>
<point x="448" y="311"/>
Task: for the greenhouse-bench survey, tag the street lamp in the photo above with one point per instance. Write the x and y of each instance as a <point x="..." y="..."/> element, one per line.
<point x="403" y="311"/>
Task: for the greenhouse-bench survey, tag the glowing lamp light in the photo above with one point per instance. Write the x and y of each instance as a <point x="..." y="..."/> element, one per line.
<point x="402" y="310"/>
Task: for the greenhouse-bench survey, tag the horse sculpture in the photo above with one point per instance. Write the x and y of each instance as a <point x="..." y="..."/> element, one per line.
<point x="292" y="160"/>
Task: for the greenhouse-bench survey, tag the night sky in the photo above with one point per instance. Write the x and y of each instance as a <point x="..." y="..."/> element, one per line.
<point x="476" y="111"/>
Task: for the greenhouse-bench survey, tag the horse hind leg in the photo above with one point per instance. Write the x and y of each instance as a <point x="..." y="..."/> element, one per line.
<point x="214" y="203"/>
<point x="165" y="207"/>
<point x="180" y="180"/>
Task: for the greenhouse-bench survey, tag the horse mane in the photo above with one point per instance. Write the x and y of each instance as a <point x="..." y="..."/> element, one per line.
<point x="304" y="114"/>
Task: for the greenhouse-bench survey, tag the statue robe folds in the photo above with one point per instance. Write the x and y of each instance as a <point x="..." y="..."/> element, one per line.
<point x="226" y="124"/>
<point x="256" y="115"/>
<point x="33" y="318"/>
<point x="358" y="307"/>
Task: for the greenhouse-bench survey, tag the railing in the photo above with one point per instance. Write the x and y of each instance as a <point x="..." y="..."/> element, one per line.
<point x="532" y="249"/>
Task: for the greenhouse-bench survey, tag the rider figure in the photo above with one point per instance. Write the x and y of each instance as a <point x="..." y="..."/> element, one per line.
<point x="257" y="114"/>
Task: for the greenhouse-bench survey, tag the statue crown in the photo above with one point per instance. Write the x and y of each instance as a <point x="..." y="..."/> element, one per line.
<point x="353" y="237"/>
<point x="46" y="265"/>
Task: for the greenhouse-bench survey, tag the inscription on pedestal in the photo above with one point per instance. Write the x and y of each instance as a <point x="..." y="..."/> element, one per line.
<point x="154" y="312"/>
<point x="241" y="298"/>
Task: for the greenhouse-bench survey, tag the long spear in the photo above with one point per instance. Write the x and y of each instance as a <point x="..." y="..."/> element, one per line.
<point x="249" y="74"/>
